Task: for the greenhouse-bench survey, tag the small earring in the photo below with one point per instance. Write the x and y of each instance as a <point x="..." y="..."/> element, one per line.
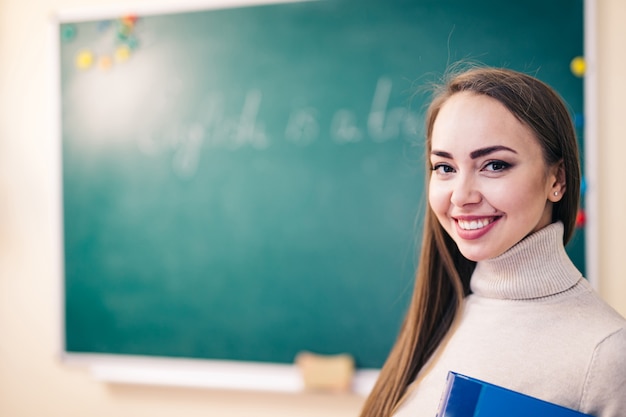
<point x="556" y="193"/>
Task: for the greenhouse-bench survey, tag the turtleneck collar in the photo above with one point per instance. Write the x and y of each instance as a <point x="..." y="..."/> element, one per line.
<point x="536" y="267"/>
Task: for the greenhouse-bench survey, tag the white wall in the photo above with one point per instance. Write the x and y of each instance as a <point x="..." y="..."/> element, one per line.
<point x="32" y="380"/>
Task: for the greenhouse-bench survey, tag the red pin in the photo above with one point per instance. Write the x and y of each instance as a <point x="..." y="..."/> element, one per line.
<point x="580" y="218"/>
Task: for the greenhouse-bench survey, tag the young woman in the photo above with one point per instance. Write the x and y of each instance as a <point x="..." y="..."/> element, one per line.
<point x="496" y="296"/>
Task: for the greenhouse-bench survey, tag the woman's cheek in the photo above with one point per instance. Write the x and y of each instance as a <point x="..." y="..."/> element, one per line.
<point x="438" y="198"/>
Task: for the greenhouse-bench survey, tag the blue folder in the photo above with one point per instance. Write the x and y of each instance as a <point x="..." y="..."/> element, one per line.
<point x="469" y="397"/>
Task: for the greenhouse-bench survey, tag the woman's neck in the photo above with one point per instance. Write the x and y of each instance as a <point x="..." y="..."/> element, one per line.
<point x="536" y="267"/>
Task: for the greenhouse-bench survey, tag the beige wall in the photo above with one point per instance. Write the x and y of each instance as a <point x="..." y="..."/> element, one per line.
<point x="612" y="147"/>
<point x="32" y="380"/>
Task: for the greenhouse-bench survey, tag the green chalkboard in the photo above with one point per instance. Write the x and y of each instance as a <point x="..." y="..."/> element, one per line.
<point x="244" y="183"/>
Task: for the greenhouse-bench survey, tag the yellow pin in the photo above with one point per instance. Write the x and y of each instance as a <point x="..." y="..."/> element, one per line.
<point x="84" y="59"/>
<point x="578" y="66"/>
<point x="122" y="53"/>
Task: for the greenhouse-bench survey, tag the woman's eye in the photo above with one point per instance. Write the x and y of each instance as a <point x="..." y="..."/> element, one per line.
<point x="497" y="166"/>
<point x="443" y="168"/>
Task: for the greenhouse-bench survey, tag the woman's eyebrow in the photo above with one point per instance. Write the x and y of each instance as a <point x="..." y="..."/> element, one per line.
<point x="490" y="149"/>
<point x="442" y="154"/>
<point x="475" y="154"/>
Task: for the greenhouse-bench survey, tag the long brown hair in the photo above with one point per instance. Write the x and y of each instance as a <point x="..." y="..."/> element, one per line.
<point x="443" y="273"/>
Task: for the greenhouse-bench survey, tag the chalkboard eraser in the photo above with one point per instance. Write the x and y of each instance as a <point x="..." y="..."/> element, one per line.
<point x="332" y="373"/>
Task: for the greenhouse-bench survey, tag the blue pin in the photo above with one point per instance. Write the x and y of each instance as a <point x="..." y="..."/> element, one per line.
<point x="583" y="186"/>
<point x="579" y="120"/>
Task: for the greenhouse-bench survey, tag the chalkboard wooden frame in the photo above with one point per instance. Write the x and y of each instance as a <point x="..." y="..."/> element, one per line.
<point x="114" y="367"/>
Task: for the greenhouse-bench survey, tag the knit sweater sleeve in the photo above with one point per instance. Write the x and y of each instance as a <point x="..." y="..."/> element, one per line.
<point x="604" y="393"/>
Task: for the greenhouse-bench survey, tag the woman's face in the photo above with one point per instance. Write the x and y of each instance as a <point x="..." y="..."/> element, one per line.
<point x="490" y="186"/>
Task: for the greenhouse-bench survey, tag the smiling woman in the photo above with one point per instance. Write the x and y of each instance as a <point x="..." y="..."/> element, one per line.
<point x="490" y="186"/>
<point x="496" y="296"/>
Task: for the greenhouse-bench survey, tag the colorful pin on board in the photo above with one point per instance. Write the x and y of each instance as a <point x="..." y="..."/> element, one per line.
<point x="578" y="66"/>
<point x="580" y="218"/>
<point x="125" y="27"/>
<point x="68" y="32"/>
<point x="105" y="62"/>
<point x="122" y="53"/>
<point x="579" y="120"/>
<point x="583" y="186"/>
<point x="103" y="25"/>
<point x="84" y="59"/>
<point x="129" y="20"/>
<point x="116" y="43"/>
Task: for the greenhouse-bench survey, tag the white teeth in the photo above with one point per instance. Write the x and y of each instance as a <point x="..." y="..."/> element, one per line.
<point x="473" y="224"/>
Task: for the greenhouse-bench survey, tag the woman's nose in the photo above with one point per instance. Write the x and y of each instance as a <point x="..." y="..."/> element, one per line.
<point x="465" y="191"/>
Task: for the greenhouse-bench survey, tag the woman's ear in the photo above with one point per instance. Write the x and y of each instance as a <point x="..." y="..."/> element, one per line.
<point x="557" y="175"/>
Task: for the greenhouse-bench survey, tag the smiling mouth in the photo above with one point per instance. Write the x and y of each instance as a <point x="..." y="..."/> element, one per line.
<point x="475" y="224"/>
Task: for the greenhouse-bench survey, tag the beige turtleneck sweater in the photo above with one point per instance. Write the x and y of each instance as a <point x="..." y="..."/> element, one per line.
<point x="532" y="324"/>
